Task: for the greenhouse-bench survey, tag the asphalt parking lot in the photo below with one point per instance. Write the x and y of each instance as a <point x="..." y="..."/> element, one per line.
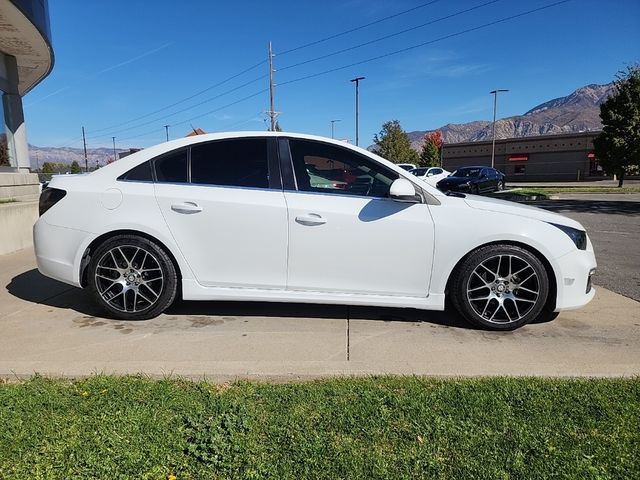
<point x="53" y="329"/>
<point x="613" y="224"/>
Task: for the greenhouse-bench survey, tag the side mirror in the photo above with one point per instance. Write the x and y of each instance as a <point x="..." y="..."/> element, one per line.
<point x="402" y="190"/>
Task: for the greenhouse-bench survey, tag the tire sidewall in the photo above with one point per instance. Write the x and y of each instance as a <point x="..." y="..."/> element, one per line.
<point x="169" y="288"/>
<point x="459" y="294"/>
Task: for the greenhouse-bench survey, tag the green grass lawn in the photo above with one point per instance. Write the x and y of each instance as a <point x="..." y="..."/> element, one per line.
<point x="402" y="427"/>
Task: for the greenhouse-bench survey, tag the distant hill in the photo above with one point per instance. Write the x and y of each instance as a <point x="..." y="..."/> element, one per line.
<point x="67" y="155"/>
<point x="577" y="112"/>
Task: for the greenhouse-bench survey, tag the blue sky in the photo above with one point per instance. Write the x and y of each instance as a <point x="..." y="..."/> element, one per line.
<point x="117" y="61"/>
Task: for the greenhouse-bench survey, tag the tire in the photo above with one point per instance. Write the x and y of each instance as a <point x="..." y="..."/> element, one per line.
<point x="132" y="278"/>
<point x="500" y="186"/>
<point x="514" y="297"/>
<point x="475" y="190"/>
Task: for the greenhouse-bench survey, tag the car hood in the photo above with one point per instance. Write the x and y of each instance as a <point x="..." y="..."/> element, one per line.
<point x="513" y="208"/>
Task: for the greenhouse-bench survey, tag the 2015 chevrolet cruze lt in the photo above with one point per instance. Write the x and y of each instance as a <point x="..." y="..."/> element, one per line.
<point x="298" y="218"/>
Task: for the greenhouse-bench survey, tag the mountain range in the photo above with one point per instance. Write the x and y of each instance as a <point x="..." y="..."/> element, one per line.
<point x="67" y="155"/>
<point x="577" y="112"/>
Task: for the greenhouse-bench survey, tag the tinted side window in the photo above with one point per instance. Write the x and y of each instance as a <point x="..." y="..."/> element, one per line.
<point x="436" y="171"/>
<point x="238" y="163"/>
<point x="141" y="173"/>
<point x="324" y="168"/>
<point x="172" y="167"/>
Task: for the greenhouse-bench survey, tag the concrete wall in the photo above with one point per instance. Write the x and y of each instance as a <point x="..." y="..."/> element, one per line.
<point x="19" y="186"/>
<point x="16" y="225"/>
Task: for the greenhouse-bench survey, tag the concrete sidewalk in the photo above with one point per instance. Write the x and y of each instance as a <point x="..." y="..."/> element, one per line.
<point x="53" y="329"/>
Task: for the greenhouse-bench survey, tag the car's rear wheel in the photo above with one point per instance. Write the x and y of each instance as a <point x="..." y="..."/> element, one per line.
<point x="500" y="287"/>
<point x="132" y="278"/>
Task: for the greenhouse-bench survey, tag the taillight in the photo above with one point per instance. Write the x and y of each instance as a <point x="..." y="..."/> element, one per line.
<point x="49" y="197"/>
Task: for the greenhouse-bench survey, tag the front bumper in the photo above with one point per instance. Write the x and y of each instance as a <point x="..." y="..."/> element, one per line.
<point x="573" y="277"/>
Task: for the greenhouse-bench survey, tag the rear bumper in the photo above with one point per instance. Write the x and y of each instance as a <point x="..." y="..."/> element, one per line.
<point x="573" y="277"/>
<point x="59" y="251"/>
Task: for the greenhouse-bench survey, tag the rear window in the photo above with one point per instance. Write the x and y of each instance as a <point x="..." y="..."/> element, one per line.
<point x="141" y="173"/>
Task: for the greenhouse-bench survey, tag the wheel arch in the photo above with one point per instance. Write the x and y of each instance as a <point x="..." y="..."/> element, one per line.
<point x="86" y="256"/>
<point x="551" y="274"/>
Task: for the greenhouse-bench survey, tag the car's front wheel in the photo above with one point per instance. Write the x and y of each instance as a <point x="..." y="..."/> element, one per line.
<point x="500" y="287"/>
<point x="132" y="278"/>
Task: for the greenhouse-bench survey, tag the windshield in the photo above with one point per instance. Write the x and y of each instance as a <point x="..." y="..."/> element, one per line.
<point x="466" y="172"/>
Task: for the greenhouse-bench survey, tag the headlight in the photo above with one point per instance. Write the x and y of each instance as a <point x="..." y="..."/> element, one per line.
<point x="579" y="237"/>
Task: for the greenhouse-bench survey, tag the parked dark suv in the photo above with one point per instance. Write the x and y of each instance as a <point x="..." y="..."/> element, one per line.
<point x="473" y="180"/>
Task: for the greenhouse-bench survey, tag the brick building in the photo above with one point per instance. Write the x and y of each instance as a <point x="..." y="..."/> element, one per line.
<point x="557" y="158"/>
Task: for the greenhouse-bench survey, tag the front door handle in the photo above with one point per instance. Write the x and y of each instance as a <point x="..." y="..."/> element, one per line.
<point x="311" y="219"/>
<point x="186" y="207"/>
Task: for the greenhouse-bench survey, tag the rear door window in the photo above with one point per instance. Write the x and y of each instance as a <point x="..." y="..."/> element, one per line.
<point x="236" y="162"/>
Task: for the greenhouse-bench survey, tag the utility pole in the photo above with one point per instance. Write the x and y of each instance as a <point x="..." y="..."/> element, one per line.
<point x="357" y="82"/>
<point x="493" y="133"/>
<point x="332" y="122"/>
<point x="86" y="162"/>
<point x="166" y="129"/>
<point x="272" y="112"/>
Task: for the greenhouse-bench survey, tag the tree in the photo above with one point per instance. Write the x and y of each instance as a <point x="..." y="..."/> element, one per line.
<point x="617" y="147"/>
<point x="48" y="167"/>
<point x="4" y="151"/>
<point x="430" y="153"/>
<point x="75" y="167"/>
<point x="393" y="144"/>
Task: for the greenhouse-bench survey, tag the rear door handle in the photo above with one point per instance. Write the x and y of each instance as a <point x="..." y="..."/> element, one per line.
<point x="186" y="207"/>
<point x="311" y="219"/>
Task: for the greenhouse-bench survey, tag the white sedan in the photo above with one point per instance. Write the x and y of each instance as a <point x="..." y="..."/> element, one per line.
<point x="282" y="217"/>
<point x="431" y="175"/>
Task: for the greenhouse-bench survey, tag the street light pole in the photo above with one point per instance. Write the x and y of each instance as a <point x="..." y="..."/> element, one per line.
<point x="357" y="82"/>
<point x="114" y="148"/>
<point x="332" y="122"/>
<point x="166" y="129"/>
<point x="493" y="133"/>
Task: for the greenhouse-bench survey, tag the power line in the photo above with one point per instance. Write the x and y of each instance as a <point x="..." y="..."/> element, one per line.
<point x="316" y="42"/>
<point x="355" y="29"/>
<point x="201" y="115"/>
<point x="241" y="122"/>
<point x="306" y="77"/>
<point x="184" y="109"/>
<point x="186" y="99"/>
<point x="445" y="37"/>
<point x="375" y="40"/>
<point x="309" y="61"/>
